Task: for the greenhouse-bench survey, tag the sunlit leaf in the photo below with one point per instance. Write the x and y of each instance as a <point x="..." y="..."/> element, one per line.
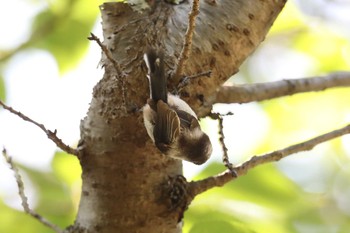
<point x="2" y="89"/>
<point x="12" y="221"/>
<point x="211" y="226"/>
<point x="258" y="199"/>
<point x="289" y="20"/>
<point x="264" y="185"/>
<point x="325" y="47"/>
<point x="54" y="199"/>
<point x="67" y="168"/>
<point x="206" y="219"/>
<point x="63" y="30"/>
<point x="289" y="126"/>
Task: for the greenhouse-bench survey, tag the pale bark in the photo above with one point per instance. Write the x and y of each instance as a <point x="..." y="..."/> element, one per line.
<point x="264" y="91"/>
<point x="124" y="177"/>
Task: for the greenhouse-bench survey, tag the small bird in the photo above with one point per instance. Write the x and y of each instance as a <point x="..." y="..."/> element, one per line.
<point x="170" y="122"/>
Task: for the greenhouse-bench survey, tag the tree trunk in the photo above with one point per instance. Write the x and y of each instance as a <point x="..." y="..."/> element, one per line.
<point x="125" y="178"/>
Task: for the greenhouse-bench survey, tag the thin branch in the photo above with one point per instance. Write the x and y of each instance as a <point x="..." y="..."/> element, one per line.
<point x="51" y="135"/>
<point x="24" y="198"/>
<point x="225" y="157"/>
<point x="263" y="91"/>
<point x="199" y="75"/>
<point x="186" y="80"/>
<point x="116" y="66"/>
<point x="187" y="44"/>
<point x="197" y="187"/>
<point x="107" y="53"/>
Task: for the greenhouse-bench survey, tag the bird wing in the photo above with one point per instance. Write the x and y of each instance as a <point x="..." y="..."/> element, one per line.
<point x="167" y="126"/>
<point x="187" y="120"/>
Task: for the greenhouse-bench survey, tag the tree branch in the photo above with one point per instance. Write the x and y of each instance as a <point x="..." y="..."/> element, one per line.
<point x="263" y="91"/>
<point x="225" y="157"/>
<point x="197" y="187"/>
<point x="118" y="70"/>
<point x="24" y="198"/>
<point x="187" y="44"/>
<point x="51" y="135"/>
<point x="107" y="53"/>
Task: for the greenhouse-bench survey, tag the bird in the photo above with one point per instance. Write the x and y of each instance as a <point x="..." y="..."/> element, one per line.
<point x="170" y="122"/>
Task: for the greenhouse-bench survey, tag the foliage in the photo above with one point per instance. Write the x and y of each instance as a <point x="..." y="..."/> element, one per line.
<point x="265" y="200"/>
<point x="304" y="193"/>
<point x="60" y="28"/>
<point x="2" y="89"/>
<point x="66" y="29"/>
<point x="58" y="193"/>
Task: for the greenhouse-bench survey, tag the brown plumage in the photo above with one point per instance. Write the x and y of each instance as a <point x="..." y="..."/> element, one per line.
<point x="170" y="122"/>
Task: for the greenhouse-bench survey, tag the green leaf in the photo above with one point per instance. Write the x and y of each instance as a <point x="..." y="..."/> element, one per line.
<point x="212" y="226"/>
<point x="264" y="185"/>
<point x="325" y="47"/>
<point x="54" y="196"/>
<point x="290" y="19"/>
<point x="17" y="221"/>
<point x="67" y="168"/>
<point x="201" y="218"/>
<point x="258" y="199"/>
<point x="63" y="29"/>
<point x="2" y="89"/>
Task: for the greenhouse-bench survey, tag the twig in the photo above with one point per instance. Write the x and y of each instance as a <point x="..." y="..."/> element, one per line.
<point x="263" y="91"/>
<point x="116" y="66"/>
<point x="24" y="198"/>
<point x="225" y="158"/>
<point x="197" y="187"/>
<point x="199" y="75"/>
<point x="107" y="53"/>
<point x="185" y="80"/>
<point x="51" y="135"/>
<point x="187" y="44"/>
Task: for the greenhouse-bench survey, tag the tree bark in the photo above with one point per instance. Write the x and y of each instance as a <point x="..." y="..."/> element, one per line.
<point x="125" y="179"/>
<point x="246" y="93"/>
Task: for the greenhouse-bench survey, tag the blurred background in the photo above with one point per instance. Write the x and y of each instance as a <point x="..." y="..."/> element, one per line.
<point x="48" y="69"/>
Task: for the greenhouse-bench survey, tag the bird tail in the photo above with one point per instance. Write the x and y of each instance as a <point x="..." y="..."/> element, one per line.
<point x="156" y="72"/>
